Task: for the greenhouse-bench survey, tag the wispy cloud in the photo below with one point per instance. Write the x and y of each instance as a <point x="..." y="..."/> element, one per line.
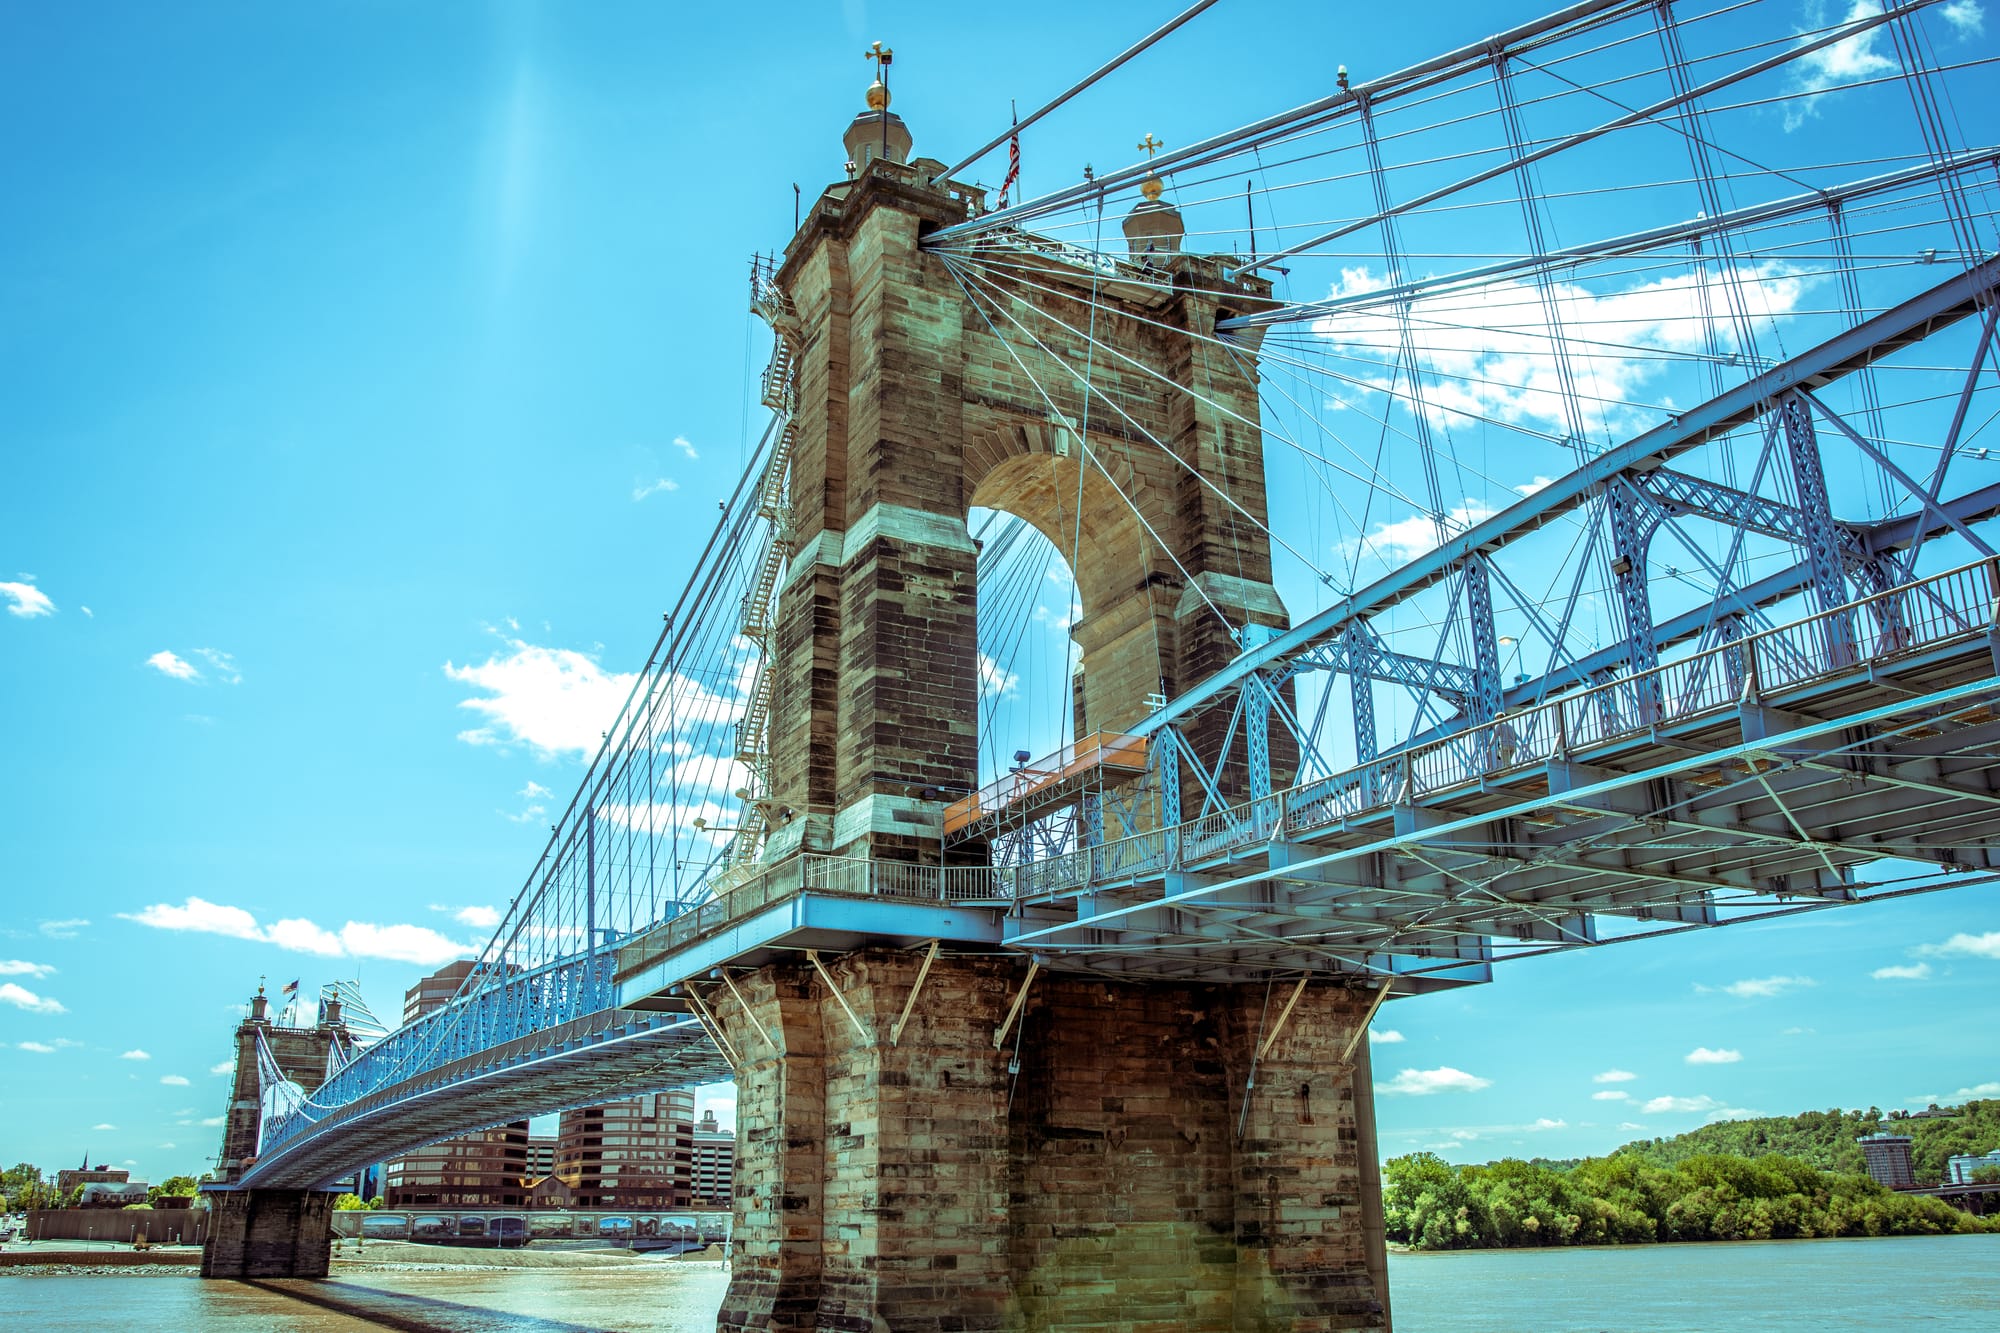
<point x="224" y="665"/>
<point x="1611" y="1095"/>
<point x="135" y="1054"/>
<point x="212" y="1122"/>
<point x="1759" y="988"/>
<point x="1680" y="1105"/>
<point x="103" y="1125"/>
<point x="356" y="939"/>
<point x="682" y="443"/>
<point x="1702" y="1055"/>
<point x="222" y="1067"/>
<point x="480" y="918"/>
<point x="994" y="680"/>
<point x="64" y="930"/>
<point x="1401" y="540"/>
<point x="1424" y="1082"/>
<point x="1614" y="1076"/>
<point x="645" y="489"/>
<point x="26" y="600"/>
<point x="1384" y="1036"/>
<point x="1902" y="972"/>
<point x="168" y="664"/>
<point x="22" y="998"/>
<point x="173" y="1081"/>
<point x="35" y="1047"/>
<point x="15" y="967"/>
<point x="1963" y="945"/>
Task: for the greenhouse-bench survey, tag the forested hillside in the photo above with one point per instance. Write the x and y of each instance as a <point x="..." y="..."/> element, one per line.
<point x="1828" y="1139"/>
<point x="1773" y="1178"/>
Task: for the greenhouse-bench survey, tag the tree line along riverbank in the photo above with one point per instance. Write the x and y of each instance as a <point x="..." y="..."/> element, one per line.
<point x="1774" y="1178"/>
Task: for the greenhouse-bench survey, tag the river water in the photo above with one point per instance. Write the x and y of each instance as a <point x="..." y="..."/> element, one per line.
<point x="1943" y="1284"/>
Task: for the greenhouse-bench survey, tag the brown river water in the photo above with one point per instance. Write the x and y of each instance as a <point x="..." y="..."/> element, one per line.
<point x="1947" y="1284"/>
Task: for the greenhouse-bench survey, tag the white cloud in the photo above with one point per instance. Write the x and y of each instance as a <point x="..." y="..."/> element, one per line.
<point x="1758" y="988"/>
<point x="681" y="443"/>
<point x="39" y="1048"/>
<point x="101" y="1125"/>
<point x="64" y="930"/>
<point x="88" y="613"/>
<point x="555" y="700"/>
<point x="526" y="816"/>
<point x="26" y="600"/>
<point x="22" y="998"/>
<point x="1966" y="17"/>
<point x="15" y="967"/>
<point x="224" y="664"/>
<point x="212" y="1121"/>
<point x="1530" y="487"/>
<point x="173" y="1081"/>
<point x="167" y="664"/>
<point x="1405" y="539"/>
<point x="1679" y="1105"/>
<point x="1799" y="1032"/>
<point x="1384" y="1036"/>
<point x="654" y="488"/>
<point x="222" y="1067"/>
<point x="480" y="918"/>
<point x="1614" y="1076"/>
<point x="1611" y="1095"/>
<point x="356" y="939"/>
<point x="1424" y="1082"/>
<point x="533" y="791"/>
<point x="1902" y="972"/>
<point x="135" y="1054"/>
<point x="1702" y="1055"/>
<point x="1487" y="350"/>
<point x="993" y="680"/>
<point x="1964" y="945"/>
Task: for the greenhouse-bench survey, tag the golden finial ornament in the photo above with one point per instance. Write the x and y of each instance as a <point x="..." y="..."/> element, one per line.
<point x="878" y="91"/>
<point x="1152" y="187"/>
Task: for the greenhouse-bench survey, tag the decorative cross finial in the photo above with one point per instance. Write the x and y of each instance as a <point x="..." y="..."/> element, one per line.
<point x="1151" y="145"/>
<point x="1152" y="187"/>
<point x="880" y="54"/>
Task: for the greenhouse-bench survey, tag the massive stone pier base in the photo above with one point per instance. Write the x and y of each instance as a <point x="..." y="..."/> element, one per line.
<point x="1127" y="1158"/>
<point x="268" y="1233"/>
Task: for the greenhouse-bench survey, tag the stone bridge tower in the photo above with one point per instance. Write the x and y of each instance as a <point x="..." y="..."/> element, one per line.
<point x="915" y="404"/>
<point x="269" y="1232"/>
<point x="976" y="1142"/>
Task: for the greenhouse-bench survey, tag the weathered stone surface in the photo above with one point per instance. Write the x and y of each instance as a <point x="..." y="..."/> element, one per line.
<point x="268" y="1233"/>
<point x="1109" y="1167"/>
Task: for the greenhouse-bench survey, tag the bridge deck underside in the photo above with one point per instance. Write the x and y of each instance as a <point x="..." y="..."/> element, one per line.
<point x="622" y="1054"/>
<point x="1779" y="805"/>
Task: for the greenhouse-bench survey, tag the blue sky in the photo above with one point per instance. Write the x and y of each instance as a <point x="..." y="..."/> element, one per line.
<point x="367" y="379"/>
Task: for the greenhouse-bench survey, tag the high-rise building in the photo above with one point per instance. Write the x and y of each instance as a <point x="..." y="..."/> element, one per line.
<point x="1958" y="1170"/>
<point x="484" y="1170"/>
<point x="714" y="1174"/>
<point x="637" y="1153"/>
<point x="541" y="1156"/>
<point x="1888" y="1159"/>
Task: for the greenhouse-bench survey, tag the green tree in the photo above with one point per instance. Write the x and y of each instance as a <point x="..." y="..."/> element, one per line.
<point x="348" y="1203"/>
<point x="173" y="1187"/>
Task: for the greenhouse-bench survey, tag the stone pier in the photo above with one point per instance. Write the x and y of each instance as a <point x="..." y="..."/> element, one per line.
<point x="268" y="1233"/>
<point x="1124" y="1160"/>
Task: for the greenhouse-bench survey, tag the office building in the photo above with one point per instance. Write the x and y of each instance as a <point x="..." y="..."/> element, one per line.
<point x="714" y="1167"/>
<point x="637" y="1153"/>
<point x="1888" y="1158"/>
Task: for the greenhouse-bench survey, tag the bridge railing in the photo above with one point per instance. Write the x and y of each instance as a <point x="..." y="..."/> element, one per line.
<point x="479" y="1020"/>
<point x="1954" y="605"/>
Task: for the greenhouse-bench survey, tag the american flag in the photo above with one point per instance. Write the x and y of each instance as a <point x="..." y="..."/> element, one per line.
<point x="1013" y="166"/>
<point x="291" y="988"/>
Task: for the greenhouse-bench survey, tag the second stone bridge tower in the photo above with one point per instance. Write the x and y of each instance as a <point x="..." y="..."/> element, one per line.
<point x="939" y="1140"/>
